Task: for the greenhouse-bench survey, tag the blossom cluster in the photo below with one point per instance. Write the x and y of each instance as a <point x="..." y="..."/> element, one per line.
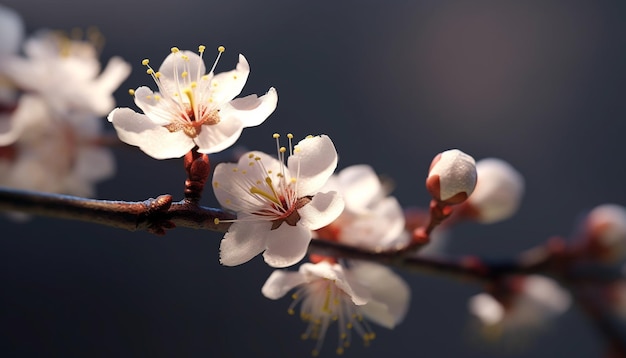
<point x="54" y="95"/>
<point x="52" y="99"/>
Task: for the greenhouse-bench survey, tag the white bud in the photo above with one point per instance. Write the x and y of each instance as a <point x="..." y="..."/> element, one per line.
<point x="498" y="192"/>
<point x="452" y="177"/>
<point x="607" y="223"/>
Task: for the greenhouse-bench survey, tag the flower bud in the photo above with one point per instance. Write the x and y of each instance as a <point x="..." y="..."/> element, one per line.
<point x="452" y="177"/>
<point x="498" y="192"/>
<point x="607" y="225"/>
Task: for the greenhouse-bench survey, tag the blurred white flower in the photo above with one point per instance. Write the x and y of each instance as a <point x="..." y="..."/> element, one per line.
<point x="451" y="177"/>
<point x="66" y="73"/>
<point x="532" y="302"/>
<point x="11" y="36"/>
<point x="605" y="231"/>
<point x="371" y="219"/>
<point x="328" y="292"/>
<point x="46" y="154"/>
<point x="191" y="108"/>
<point x="498" y="192"/>
<point x="277" y="205"/>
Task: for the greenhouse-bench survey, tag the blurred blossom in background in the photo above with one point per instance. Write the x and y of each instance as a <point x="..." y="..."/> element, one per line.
<point x="539" y="84"/>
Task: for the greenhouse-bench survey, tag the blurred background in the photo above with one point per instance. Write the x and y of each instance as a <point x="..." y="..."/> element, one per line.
<point x="540" y="84"/>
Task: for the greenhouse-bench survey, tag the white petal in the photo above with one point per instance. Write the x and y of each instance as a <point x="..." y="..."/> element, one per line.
<point x="11" y="30"/>
<point x="159" y="112"/>
<point x="30" y="115"/>
<point x="227" y="85"/>
<point x="174" y="65"/>
<point x="287" y="245"/>
<point x="217" y="137"/>
<point x="390" y="294"/>
<point x="250" y="110"/>
<point x="486" y="308"/>
<point x="231" y="182"/>
<point x="313" y="162"/>
<point x="360" y="187"/>
<point x="155" y="140"/>
<point x="280" y="282"/>
<point x="243" y="241"/>
<point x="323" y="209"/>
<point x="336" y="273"/>
<point x="94" y="164"/>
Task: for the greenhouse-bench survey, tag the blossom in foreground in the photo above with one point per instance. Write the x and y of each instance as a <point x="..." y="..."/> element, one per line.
<point x="191" y="108"/>
<point x="66" y="73"/>
<point x="11" y="35"/>
<point x="451" y="177"/>
<point x="371" y="218"/>
<point x="277" y="205"/>
<point x="329" y="292"/>
<point x="530" y="304"/>
<point x="498" y="192"/>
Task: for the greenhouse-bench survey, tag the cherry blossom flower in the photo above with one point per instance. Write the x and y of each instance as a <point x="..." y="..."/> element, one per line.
<point x="532" y="302"/>
<point x="66" y="73"/>
<point x="605" y="232"/>
<point x="11" y="36"/>
<point x="371" y="218"/>
<point x="191" y="108"/>
<point x="277" y="205"/>
<point x="329" y="292"/>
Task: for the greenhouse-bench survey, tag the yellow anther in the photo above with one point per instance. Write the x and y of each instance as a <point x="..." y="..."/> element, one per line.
<point x="150" y="71"/>
<point x="276" y="135"/>
<point x="185" y="57"/>
<point x="282" y="149"/>
<point x="201" y="48"/>
<point x="131" y="92"/>
<point x="349" y="325"/>
<point x="250" y="156"/>
<point x="294" y="296"/>
<point x="291" y="311"/>
<point x="216" y="184"/>
<point x="257" y="158"/>
<point x="309" y="136"/>
<point x="204" y="77"/>
<point x="221" y="49"/>
<point x="157" y="97"/>
<point x="235" y="170"/>
<point x="244" y="172"/>
<point x="184" y="74"/>
<point x="174" y="49"/>
<point x="157" y="74"/>
<point x="304" y="337"/>
<point x="289" y="135"/>
<point x="194" y="84"/>
<point x="251" y="164"/>
<point x="145" y="62"/>
<point x="293" y="180"/>
<point x="340" y="350"/>
<point x="216" y="221"/>
<point x="234" y="77"/>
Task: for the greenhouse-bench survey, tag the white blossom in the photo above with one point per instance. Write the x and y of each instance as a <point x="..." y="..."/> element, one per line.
<point x="191" y="108"/>
<point x="277" y="205"/>
<point x="452" y="176"/>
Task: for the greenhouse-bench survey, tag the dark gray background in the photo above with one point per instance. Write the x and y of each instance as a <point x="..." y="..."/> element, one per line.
<point x="538" y="83"/>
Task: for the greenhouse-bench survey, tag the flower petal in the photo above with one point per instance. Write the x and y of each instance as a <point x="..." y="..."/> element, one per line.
<point x="11" y="30"/>
<point x="217" y="137"/>
<point x="336" y="273"/>
<point x="227" y="85"/>
<point x="313" y="162"/>
<point x="286" y="245"/>
<point x="155" y="140"/>
<point x="250" y="110"/>
<point x="176" y="63"/>
<point x="323" y="209"/>
<point x="360" y="187"/>
<point x="30" y="119"/>
<point x="390" y="294"/>
<point x="280" y="282"/>
<point x="243" y="241"/>
<point x="157" y="111"/>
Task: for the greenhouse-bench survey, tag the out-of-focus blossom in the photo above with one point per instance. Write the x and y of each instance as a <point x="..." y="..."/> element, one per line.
<point x="11" y="36"/>
<point x="451" y="177"/>
<point x="46" y="154"/>
<point x="371" y="218"/>
<point x="329" y="292"/>
<point x="530" y="303"/>
<point x="191" y="108"/>
<point x="605" y="231"/>
<point x="498" y="192"/>
<point x="66" y="73"/>
<point x="277" y="205"/>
